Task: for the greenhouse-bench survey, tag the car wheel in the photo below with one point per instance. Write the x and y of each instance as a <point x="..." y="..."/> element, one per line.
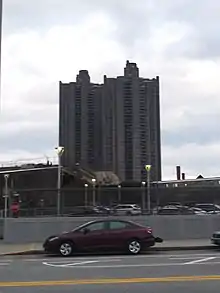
<point x="134" y="246"/>
<point x="66" y="248"/>
<point x="129" y="213"/>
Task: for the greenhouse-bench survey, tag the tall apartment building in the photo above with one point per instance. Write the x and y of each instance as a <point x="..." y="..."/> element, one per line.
<point x="131" y="125"/>
<point x="114" y="126"/>
<point x="80" y="122"/>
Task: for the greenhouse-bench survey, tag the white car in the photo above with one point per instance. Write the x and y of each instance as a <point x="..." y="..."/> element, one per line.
<point x="210" y="208"/>
<point x="127" y="209"/>
<point x="198" y="211"/>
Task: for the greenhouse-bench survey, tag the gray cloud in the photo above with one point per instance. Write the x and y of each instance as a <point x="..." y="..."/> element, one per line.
<point x="203" y="18"/>
<point x="34" y="139"/>
<point x="135" y="20"/>
<point x="41" y="14"/>
<point x="43" y="95"/>
<point x="131" y="20"/>
<point x="200" y="129"/>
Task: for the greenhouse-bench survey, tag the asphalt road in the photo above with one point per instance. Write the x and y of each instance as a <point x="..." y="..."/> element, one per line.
<point x="189" y="271"/>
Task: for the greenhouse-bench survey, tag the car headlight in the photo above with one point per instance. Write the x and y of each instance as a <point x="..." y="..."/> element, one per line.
<point x="54" y="238"/>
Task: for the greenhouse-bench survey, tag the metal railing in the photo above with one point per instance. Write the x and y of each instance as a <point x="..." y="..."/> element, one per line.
<point x="43" y="202"/>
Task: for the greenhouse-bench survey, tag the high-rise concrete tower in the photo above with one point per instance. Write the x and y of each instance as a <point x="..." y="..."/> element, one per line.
<point x="114" y="126"/>
<point x="80" y="122"/>
<point x="131" y="125"/>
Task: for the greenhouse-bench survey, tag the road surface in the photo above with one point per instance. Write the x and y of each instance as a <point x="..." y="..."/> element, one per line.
<point x="165" y="272"/>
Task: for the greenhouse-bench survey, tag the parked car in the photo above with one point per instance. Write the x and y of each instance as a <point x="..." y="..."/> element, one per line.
<point x="86" y="211"/>
<point x="198" y="211"/>
<point x="102" y="235"/>
<point x="209" y="207"/>
<point x="127" y="209"/>
<point x="174" y="210"/>
<point x="176" y="204"/>
<point x="104" y="210"/>
<point x="168" y="210"/>
<point x="215" y="239"/>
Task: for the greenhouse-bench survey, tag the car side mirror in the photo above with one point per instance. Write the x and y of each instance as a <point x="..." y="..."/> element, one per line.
<point x="86" y="231"/>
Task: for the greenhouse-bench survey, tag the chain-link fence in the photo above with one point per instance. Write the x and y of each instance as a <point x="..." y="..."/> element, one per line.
<point x="43" y="202"/>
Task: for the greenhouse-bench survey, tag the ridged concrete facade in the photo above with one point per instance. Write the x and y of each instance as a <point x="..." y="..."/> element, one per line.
<point x="114" y="126"/>
<point x="80" y="122"/>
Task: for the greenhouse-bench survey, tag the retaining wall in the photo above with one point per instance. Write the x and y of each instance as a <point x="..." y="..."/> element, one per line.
<point x="1" y="228"/>
<point x="168" y="227"/>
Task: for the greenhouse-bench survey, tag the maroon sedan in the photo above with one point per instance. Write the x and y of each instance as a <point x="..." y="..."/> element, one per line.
<point x="102" y="235"/>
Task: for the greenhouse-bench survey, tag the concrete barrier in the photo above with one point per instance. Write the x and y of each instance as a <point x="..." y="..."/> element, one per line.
<point x="168" y="227"/>
<point x="1" y="228"/>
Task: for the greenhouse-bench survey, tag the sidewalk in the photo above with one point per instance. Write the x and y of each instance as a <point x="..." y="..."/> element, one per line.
<point x="191" y="244"/>
<point x="20" y="249"/>
<point x="170" y="245"/>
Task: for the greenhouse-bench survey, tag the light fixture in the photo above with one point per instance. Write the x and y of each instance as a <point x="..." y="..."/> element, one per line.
<point x="147" y="168"/>
<point x="59" y="150"/>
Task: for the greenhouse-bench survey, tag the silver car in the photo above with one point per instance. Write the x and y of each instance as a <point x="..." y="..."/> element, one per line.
<point x="127" y="209"/>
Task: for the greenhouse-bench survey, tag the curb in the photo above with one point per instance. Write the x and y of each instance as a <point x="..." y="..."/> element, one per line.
<point x="157" y="249"/>
<point x="25" y="252"/>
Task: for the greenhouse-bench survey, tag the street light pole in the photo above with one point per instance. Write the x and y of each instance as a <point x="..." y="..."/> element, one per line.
<point x="148" y="168"/>
<point x="58" y="186"/>
<point x="119" y="193"/>
<point x="93" y="191"/>
<point x="85" y="194"/>
<point x="6" y="176"/>
<point x="143" y="183"/>
<point x="59" y="151"/>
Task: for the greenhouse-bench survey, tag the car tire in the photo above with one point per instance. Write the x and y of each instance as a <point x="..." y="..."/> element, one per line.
<point x="66" y="248"/>
<point x="129" y="213"/>
<point x="134" y="246"/>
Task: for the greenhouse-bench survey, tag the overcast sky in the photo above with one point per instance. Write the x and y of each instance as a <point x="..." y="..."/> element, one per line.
<point x="45" y="41"/>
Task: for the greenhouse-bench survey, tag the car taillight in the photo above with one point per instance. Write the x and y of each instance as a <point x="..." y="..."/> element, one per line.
<point x="149" y="230"/>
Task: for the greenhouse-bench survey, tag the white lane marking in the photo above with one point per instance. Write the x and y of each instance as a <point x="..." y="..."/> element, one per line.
<point x="112" y="266"/>
<point x="140" y="265"/>
<point x="129" y="266"/>
<point x="66" y="265"/>
<point x="121" y="257"/>
<point x="199" y="260"/>
<point x="79" y="263"/>
<point x="4" y="264"/>
<point x="64" y="261"/>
